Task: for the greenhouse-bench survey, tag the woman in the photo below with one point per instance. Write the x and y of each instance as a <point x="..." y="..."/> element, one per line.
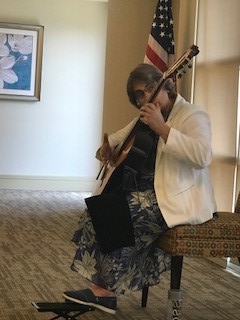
<point x="172" y="188"/>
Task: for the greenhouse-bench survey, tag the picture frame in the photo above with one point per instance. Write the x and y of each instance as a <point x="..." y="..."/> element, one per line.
<point x="21" y="49"/>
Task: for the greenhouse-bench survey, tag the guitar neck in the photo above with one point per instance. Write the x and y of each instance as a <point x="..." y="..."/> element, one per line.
<point x="130" y="136"/>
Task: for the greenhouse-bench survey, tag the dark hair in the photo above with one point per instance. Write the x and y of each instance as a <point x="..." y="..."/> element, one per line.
<point x="148" y="73"/>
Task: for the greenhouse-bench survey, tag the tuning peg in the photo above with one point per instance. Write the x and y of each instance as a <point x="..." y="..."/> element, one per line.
<point x="179" y="75"/>
<point x="189" y="65"/>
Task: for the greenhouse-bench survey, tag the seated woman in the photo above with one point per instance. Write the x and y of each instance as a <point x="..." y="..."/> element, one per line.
<point x="172" y="188"/>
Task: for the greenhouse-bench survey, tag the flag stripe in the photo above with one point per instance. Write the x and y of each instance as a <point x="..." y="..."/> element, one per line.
<point x="156" y="54"/>
<point x="153" y="58"/>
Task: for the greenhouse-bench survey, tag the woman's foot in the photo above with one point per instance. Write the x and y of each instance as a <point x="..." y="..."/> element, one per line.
<point x="87" y="297"/>
<point x="101" y="292"/>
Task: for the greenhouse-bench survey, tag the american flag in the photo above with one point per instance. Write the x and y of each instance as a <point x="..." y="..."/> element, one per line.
<point x="160" y="47"/>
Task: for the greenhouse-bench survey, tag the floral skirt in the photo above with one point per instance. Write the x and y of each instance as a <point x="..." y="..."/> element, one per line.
<point x="128" y="268"/>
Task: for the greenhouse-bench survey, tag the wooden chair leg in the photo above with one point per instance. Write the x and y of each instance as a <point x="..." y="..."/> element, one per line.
<point x="176" y="274"/>
<point x="176" y="271"/>
<point x="144" y="296"/>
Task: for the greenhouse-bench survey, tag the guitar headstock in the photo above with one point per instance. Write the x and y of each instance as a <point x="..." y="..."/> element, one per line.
<point x="179" y="65"/>
<point x="176" y="69"/>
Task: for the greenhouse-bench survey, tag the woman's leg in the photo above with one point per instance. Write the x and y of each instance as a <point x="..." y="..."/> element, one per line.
<point x="129" y="268"/>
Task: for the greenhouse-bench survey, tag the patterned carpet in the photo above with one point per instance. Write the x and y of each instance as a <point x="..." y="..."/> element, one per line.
<point x="36" y="252"/>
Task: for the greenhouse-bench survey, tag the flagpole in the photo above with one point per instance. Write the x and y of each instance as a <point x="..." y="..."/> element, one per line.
<point x="195" y="42"/>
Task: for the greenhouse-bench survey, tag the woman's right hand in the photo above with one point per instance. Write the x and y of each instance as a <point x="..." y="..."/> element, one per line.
<point x="105" y="151"/>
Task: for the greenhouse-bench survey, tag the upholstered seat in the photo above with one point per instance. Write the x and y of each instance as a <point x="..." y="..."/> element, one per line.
<point x="219" y="237"/>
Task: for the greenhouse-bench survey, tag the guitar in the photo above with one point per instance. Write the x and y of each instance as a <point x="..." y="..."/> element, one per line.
<point x="133" y="152"/>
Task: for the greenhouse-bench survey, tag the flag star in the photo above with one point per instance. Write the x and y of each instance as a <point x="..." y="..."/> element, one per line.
<point x="162" y="34"/>
<point x="154" y="25"/>
<point x="161" y="25"/>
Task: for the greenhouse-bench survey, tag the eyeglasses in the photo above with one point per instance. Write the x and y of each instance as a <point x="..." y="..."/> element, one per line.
<point x="140" y="94"/>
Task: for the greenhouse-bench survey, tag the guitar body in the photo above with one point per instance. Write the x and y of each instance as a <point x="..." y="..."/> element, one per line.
<point x="132" y="157"/>
<point x="109" y="179"/>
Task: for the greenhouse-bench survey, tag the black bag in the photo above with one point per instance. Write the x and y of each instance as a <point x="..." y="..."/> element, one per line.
<point x="111" y="220"/>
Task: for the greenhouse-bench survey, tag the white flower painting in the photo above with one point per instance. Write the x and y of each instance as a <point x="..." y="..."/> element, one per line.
<point x="20" y="61"/>
<point x="15" y="60"/>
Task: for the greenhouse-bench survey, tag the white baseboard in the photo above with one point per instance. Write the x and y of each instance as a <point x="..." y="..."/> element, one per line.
<point x="222" y="262"/>
<point x="227" y="264"/>
<point x="81" y="184"/>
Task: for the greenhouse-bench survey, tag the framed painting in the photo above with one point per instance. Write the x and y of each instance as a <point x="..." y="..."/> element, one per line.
<point x="21" y="48"/>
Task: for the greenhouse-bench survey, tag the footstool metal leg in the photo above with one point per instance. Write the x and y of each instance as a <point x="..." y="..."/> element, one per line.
<point x="62" y="309"/>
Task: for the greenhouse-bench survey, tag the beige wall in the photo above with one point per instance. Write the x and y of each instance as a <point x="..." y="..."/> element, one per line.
<point x="129" y="23"/>
<point x="184" y="12"/>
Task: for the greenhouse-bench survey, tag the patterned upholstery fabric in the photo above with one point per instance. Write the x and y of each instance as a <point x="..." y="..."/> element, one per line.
<point x="219" y="237"/>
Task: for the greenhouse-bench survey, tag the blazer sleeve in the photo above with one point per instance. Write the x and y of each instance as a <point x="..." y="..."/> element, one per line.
<point x="189" y="139"/>
<point x="121" y="135"/>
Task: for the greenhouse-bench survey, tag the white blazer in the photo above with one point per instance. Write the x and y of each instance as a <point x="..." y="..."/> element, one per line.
<point x="182" y="184"/>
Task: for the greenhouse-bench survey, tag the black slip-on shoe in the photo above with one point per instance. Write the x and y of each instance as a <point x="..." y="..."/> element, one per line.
<point x="87" y="297"/>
